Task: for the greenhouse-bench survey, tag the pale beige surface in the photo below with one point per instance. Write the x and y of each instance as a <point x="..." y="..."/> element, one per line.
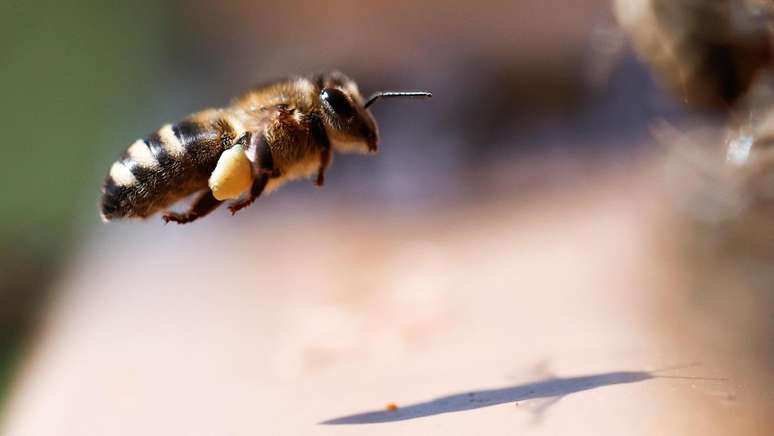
<point x="262" y="324"/>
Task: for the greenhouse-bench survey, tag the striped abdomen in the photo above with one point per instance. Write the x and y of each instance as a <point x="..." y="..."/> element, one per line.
<point x="168" y="165"/>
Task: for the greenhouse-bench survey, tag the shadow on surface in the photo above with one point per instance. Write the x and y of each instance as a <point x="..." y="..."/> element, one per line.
<point x="550" y="388"/>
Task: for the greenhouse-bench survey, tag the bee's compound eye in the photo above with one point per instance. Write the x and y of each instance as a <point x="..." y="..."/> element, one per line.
<point x="337" y="102"/>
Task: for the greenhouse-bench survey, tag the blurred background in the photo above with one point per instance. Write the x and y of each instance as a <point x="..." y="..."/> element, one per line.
<point x="532" y="180"/>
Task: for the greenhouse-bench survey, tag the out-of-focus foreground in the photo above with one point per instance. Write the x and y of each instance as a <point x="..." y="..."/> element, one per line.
<point x="553" y="244"/>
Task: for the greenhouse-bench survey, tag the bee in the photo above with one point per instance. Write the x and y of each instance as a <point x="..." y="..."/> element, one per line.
<point x="271" y="135"/>
<point x="708" y="52"/>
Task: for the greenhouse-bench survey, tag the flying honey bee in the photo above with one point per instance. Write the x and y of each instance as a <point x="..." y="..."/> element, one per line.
<point x="267" y="137"/>
<point x="708" y="52"/>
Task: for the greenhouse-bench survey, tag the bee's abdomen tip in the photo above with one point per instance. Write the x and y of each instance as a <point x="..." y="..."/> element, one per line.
<point x="114" y="201"/>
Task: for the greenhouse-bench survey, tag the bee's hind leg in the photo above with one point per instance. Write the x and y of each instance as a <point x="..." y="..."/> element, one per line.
<point x="259" y="183"/>
<point x="260" y="154"/>
<point x="204" y="204"/>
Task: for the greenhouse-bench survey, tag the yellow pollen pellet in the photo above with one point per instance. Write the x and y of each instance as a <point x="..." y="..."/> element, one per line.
<point x="233" y="174"/>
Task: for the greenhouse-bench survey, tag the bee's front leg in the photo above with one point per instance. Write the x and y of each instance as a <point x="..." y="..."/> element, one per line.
<point x="325" y="160"/>
<point x="318" y="134"/>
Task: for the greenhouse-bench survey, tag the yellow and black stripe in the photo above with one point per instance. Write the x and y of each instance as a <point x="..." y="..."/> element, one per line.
<point x="168" y="165"/>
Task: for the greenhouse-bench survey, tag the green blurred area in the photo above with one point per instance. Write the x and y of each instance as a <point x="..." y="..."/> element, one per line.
<point x="8" y="356"/>
<point x="70" y="72"/>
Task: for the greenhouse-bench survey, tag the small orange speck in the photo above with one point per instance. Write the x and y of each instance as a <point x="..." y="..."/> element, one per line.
<point x="392" y="407"/>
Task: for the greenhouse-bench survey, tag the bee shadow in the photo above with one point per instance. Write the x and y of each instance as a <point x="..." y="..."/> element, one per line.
<point x="551" y="388"/>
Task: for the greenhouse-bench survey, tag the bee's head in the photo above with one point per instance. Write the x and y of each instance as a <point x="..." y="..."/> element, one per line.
<point x="348" y="123"/>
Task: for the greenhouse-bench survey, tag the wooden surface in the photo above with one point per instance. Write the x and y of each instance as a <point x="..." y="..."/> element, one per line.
<point x="491" y="318"/>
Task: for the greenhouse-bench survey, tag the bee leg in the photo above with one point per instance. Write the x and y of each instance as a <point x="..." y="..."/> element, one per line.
<point x="263" y="159"/>
<point x="259" y="183"/>
<point x="325" y="160"/>
<point x="318" y="134"/>
<point x="259" y="153"/>
<point x="204" y="204"/>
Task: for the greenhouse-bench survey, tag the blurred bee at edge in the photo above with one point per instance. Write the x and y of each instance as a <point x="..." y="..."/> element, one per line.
<point x="708" y="51"/>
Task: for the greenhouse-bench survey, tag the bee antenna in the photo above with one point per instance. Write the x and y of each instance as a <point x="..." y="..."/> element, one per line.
<point x="410" y="94"/>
